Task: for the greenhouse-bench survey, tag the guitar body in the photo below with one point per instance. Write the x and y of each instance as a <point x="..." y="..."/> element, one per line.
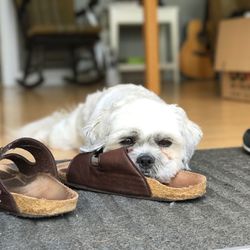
<point x="195" y="60"/>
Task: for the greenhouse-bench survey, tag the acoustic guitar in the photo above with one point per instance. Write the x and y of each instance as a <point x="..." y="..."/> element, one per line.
<point x="195" y="56"/>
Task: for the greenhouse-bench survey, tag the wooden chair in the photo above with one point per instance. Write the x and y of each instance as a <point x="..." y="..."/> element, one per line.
<point x="52" y="24"/>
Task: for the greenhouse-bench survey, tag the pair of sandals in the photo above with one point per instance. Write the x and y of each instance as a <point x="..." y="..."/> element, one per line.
<point x="36" y="189"/>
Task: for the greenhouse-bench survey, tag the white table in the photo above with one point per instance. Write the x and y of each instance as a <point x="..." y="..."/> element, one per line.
<point x="124" y="13"/>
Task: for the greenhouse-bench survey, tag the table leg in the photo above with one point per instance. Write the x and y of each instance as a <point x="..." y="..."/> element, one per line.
<point x="174" y="34"/>
<point x="151" y="45"/>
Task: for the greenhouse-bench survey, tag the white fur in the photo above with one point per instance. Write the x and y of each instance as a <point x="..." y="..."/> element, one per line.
<point x="114" y="113"/>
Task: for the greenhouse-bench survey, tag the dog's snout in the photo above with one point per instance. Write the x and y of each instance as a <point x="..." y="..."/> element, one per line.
<point x="145" y="161"/>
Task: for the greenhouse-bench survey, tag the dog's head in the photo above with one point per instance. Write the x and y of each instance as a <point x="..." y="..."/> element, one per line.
<point x="160" y="137"/>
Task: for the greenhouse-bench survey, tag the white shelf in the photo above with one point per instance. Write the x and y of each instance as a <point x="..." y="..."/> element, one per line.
<point x="127" y="13"/>
<point x="124" y="67"/>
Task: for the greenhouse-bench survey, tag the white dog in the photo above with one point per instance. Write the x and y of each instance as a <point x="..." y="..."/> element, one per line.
<point x="160" y="136"/>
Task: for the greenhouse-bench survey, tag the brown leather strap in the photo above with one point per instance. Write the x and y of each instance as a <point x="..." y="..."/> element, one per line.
<point x="111" y="171"/>
<point x="6" y="200"/>
<point x="44" y="162"/>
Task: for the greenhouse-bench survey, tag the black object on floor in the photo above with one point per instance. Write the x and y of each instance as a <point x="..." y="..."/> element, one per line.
<point x="220" y="219"/>
<point x="246" y="140"/>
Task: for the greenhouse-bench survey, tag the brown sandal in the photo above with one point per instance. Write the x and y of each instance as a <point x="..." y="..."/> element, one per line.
<point x="113" y="172"/>
<point x="31" y="189"/>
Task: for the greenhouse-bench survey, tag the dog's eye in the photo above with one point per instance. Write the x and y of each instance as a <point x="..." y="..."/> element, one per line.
<point x="128" y="141"/>
<point x="164" y="143"/>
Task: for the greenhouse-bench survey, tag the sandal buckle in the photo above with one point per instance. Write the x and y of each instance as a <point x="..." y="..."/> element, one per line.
<point x="95" y="160"/>
<point x="1" y="152"/>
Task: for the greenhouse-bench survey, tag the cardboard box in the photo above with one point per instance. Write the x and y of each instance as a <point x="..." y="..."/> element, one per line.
<point x="233" y="58"/>
<point x="218" y="11"/>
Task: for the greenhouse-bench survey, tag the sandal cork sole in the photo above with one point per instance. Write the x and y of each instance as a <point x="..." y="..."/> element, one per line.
<point x="185" y="185"/>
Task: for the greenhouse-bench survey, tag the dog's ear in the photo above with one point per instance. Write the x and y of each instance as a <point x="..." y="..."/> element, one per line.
<point x="96" y="132"/>
<point x="191" y="132"/>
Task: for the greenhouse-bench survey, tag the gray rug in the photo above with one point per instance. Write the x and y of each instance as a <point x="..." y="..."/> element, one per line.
<point x="221" y="219"/>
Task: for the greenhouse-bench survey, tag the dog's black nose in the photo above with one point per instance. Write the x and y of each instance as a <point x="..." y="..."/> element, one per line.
<point x="145" y="161"/>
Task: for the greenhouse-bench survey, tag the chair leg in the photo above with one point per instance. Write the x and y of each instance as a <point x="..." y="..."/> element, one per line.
<point x="73" y="64"/>
<point x="96" y="66"/>
<point x="84" y="77"/>
<point x="27" y="70"/>
<point x="93" y="55"/>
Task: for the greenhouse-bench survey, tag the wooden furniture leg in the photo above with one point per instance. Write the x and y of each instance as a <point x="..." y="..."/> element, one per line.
<point x="151" y="45"/>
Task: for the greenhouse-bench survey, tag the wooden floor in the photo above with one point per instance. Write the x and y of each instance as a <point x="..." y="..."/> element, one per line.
<point x="222" y="121"/>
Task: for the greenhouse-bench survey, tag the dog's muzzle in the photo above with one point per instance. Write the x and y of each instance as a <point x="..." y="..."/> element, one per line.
<point x="145" y="162"/>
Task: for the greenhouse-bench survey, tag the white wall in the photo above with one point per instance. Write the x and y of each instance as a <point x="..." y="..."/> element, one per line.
<point x="10" y="63"/>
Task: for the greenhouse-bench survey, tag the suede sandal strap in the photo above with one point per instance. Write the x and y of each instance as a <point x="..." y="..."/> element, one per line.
<point x="6" y="200"/>
<point x="31" y="188"/>
<point x="44" y="160"/>
<point x="111" y="171"/>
